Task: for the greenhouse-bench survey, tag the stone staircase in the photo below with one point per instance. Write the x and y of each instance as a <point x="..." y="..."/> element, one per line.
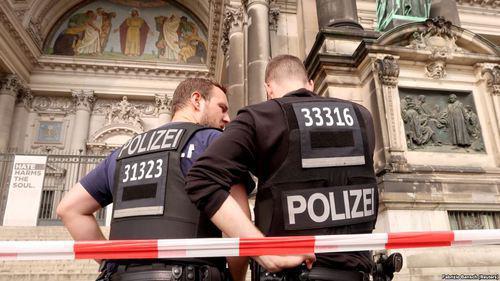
<point x="73" y="270"/>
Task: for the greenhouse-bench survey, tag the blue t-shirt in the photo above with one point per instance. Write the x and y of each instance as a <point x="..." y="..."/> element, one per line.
<point x="99" y="182"/>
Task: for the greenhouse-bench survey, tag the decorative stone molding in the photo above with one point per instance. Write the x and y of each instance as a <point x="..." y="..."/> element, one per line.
<point x="53" y="105"/>
<point x="54" y="63"/>
<point x="6" y="23"/>
<point x="437" y="38"/>
<point x="482" y="3"/>
<point x="274" y="14"/>
<point x="83" y="99"/>
<point x="216" y="11"/>
<point x="436" y="69"/>
<point x="492" y="74"/>
<point x="233" y="18"/>
<point x="10" y="85"/>
<point x="388" y="70"/>
<point x="163" y="104"/>
<point x="34" y="29"/>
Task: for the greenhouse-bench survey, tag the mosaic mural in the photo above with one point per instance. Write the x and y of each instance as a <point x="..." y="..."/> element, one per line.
<point x="128" y="29"/>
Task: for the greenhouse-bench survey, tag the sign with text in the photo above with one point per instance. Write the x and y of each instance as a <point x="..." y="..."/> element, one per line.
<point x="25" y="190"/>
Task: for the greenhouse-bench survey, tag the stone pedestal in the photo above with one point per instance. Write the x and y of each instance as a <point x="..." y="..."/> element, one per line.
<point x="447" y="9"/>
<point x="259" y="50"/>
<point x="84" y="101"/>
<point x="337" y="14"/>
<point x="9" y="89"/>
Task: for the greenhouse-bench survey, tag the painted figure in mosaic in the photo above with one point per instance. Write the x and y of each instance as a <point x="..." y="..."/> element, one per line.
<point x="192" y="46"/>
<point x="456" y="118"/>
<point x="68" y="39"/>
<point x="133" y="34"/>
<point x="168" y="40"/>
<point x="105" y="26"/>
<point x="90" y="44"/>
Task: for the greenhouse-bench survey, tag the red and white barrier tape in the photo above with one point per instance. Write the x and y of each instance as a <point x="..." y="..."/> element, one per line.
<point x="222" y="247"/>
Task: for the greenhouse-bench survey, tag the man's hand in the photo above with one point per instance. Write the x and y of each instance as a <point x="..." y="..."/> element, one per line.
<point x="278" y="263"/>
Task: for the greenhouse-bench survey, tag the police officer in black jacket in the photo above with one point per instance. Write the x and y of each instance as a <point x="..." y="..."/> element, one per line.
<point x="313" y="157"/>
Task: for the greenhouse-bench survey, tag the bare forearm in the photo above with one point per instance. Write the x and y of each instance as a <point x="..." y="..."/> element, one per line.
<point x="233" y="221"/>
<point x="83" y="227"/>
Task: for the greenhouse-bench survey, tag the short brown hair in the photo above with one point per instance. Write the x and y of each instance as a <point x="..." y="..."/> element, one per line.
<point x="285" y="67"/>
<point x="184" y="90"/>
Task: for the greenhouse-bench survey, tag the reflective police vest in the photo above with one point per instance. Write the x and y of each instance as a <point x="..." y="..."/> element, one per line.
<point x="150" y="201"/>
<point x="326" y="184"/>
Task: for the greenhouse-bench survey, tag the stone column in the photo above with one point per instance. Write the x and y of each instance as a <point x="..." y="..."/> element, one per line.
<point x="447" y="9"/>
<point x="84" y="101"/>
<point x="9" y="88"/>
<point x="21" y="118"/>
<point x="386" y="70"/>
<point x="259" y="49"/>
<point x="232" y="45"/>
<point x="491" y="74"/>
<point x="163" y="108"/>
<point x="337" y="14"/>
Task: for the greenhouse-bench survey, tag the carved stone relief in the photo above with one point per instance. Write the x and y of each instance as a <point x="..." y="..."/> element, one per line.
<point x="436" y="69"/>
<point x="439" y="39"/>
<point x="163" y="104"/>
<point x="61" y="105"/>
<point x="125" y="112"/>
<point x="440" y="121"/>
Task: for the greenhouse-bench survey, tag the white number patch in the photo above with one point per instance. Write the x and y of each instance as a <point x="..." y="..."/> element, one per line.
<point x="323" y="117"/>
<point x="145" y="169"/>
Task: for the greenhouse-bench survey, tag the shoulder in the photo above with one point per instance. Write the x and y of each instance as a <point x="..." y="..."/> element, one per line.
<point x="260" y="109"/>
<point x="205" y="135"/>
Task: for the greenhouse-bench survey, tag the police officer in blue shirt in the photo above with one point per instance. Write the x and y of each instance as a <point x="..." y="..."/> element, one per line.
<point x="145" y="181"/>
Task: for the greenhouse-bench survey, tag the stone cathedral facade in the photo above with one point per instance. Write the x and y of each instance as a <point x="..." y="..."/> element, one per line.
<point x="79" y="78"/>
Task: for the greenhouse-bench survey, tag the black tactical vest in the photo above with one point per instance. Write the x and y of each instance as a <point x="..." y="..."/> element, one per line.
<point x="326" y="184"/>
<point x="150" y="201"/>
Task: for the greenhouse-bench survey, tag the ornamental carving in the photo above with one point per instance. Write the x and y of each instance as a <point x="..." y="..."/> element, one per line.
<point x="482" y="3"/>
<point x="492" y="74"/>
<point x="124" y="113"/>
<point x="60" y="105"/>
<point x="438" y="38"/>
<point x="274" y="14"/>
<point x="10" y="85"/>
<point x="83" y="99"/>
<point x="440" y="122"/>
<point x="25" y="98"/>
<point x="436" y="69"/>
<point x="163" y="104"/>
<point x="233" y="17"/>
<point x="388" y="70"/>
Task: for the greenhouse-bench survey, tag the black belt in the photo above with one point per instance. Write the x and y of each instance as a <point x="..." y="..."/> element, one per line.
<point x="330" y="274"/>
<point x="163" y="271"/>
<point x="301" y="273"/>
